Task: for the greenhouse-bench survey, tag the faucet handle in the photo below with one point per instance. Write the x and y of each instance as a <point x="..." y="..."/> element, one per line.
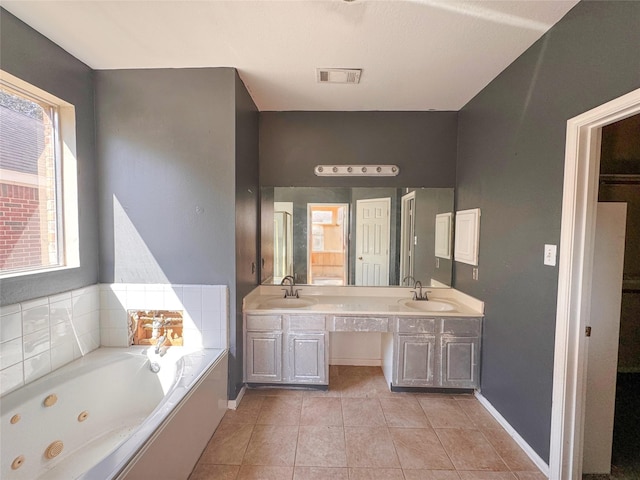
<point x="286" y="292"/>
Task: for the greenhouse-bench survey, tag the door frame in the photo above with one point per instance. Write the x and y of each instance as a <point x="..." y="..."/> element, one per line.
<point x="579" y="203"/>
<point x="404" y="230"/>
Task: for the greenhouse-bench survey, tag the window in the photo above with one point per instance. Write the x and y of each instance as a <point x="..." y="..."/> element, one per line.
<point x="35" y="163"/>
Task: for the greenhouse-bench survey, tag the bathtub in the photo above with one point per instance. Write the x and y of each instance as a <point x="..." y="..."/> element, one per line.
<point x="109" y="416"/>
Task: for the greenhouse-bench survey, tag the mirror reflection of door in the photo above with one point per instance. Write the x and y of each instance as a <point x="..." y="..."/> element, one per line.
<point x="372" y="241"/>
<point x="407" y="238"/>
<point x="327" y="243"/>
<point x="282" y="240"/>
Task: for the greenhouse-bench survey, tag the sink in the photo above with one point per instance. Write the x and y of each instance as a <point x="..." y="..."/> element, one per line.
<point x="288" y="302"/>
<point x="428" y="305"/>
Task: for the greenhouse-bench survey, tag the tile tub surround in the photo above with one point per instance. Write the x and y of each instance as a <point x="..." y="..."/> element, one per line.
<point x="359" y="430"/>
<point x="40" y="335"/>
<point x="205" y="311"/>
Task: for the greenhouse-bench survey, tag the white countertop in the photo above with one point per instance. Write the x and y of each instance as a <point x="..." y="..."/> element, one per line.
<point x="362" y="300"/>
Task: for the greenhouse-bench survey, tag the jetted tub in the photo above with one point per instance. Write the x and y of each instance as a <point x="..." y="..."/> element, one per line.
<point x="111" y="415"/>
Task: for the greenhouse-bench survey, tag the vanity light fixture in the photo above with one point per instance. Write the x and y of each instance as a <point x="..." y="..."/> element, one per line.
<point x="356" y="170"/>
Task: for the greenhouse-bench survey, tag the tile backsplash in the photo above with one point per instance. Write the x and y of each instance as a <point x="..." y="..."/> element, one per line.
<point x="40" y="335"/>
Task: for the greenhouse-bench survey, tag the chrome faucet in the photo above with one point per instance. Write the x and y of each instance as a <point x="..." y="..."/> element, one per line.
<point x="417" y="291"/>
<point x="291" y="282"/>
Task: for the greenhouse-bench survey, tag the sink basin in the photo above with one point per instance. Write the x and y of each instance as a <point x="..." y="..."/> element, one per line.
<point x="289" y="302"/>
<point x="428" y="305"/>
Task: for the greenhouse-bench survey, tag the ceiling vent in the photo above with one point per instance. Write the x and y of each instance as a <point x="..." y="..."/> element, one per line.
<point x="339" y="75"/>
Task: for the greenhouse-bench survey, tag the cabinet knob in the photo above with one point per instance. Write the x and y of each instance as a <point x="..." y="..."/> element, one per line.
<point x="359" y="258"/>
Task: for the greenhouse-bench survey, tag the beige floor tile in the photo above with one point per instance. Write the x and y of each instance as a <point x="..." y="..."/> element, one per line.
<point x="280" y="410"/>
<point x="530" y="476"/>
<point x="403" y="412"/>
<point x="273" y="445"/>
<point x="471" y="475"/>
<point x="509" y="450"/>
<point x="321" y="411"/>
<point x="320" y="473"/>
<point x="321" y="446"/>
<point x="375" y="474"/>
<point x="444" y="413"/>
<point x="470" y="450"/>
<point x="332" y="391"/>
<point x="369" y="447"/>
<point x="247" y="411"/>
<point x="419" y="448"/>
<point x="214" y="472"/>
<point x="430" y="475"/>
<point x="251" y="472"/>
<point x="228" y="444"/>
<point x="361" y="386"/>
<point x="362" y="412"/>
<point x="477" y="413"/>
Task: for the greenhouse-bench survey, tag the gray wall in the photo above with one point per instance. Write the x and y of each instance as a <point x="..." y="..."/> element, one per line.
<point x="33" y="58"/>
<point x="423" y="144"/>
<point x="168" y="143"/>
<point x="510" y="164"/>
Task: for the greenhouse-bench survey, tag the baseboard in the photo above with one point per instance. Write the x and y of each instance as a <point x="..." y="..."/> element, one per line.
<point x="535" y="458"/>
<point x="358" y="362"/>
<point x="233" y="404"/>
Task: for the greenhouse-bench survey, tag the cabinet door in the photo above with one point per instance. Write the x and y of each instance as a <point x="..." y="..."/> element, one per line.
<point x="415" y="356"/>
<point x="264" y="357"/>
<point x="306" y="358"/>
<point x="460" y="364"/>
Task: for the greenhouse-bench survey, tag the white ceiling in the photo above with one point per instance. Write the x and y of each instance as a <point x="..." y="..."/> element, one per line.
<point x="415" y="54"/>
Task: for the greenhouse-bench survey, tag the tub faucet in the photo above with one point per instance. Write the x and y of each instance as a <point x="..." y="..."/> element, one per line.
<point x="417" y="291"/>
<point x="160" y="342"/>
<point x="289" y="280"/>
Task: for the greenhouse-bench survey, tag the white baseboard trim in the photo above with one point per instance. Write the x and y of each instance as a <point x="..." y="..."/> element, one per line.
<point x="358" y="362"/>
<point x="233" y="404"/>
<point x="535" y="458"/>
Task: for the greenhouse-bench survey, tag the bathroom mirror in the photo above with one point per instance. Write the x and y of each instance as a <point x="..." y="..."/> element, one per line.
<point x="356" y="236"/>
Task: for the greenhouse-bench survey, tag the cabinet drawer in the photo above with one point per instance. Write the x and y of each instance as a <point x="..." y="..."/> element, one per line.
<point x="361" y="324"/>
<point x="415" y="325"/>
<point x="264" y="322"/>
<point x="307" y="322"/>
<point x="461" y="326"/>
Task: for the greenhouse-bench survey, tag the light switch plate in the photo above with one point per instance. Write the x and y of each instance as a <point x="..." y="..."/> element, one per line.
<point x="550" y="253"/>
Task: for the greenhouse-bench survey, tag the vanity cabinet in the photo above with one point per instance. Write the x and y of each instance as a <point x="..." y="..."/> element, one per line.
<point x="414" y="360"/>
<point x="436" y="352"/>
<point x="263" y="357"/>
<point x="287" y="349"/>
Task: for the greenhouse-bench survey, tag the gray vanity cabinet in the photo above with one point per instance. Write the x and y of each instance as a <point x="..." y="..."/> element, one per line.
<point x="264" y="357"/>
<point x="286" y="349"/>
<point x="306" y="358"/>
<point x="436" y="352"/>
<point x="415" y="360"/>
<point x="460" y="352"/>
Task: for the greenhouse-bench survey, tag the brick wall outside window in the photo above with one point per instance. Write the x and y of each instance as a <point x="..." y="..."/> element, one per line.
<point x="20" y="240"/>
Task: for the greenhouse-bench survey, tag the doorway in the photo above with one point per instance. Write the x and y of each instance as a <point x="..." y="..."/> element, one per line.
<point x="327" y="240"/>
<point x="580" y="195"/>
<point x="373" y="229"/>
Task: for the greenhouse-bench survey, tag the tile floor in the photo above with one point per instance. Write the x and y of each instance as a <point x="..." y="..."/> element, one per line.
<point x="360" y="430"/>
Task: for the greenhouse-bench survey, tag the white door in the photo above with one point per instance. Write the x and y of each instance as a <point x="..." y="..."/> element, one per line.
<point x="602" y="355"/>
<point x="372" y="241"/>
